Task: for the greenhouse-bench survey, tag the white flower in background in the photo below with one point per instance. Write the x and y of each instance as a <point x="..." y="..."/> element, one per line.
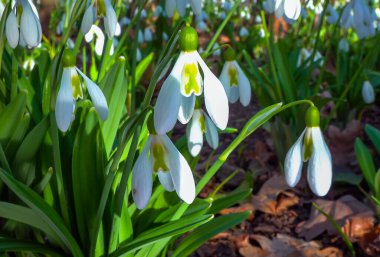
<point x="177" y="96"/>
<point x="71" y="90"/>
<point x="124" y="21"/>
<point x="306" y="54"/>
<point x="103" y="9"/>
<point x="243" y="32"/>
<point x="290" y="9"/>
<point x="332" y="15"/>
<point x="216" y="49"/>
<point x="158" y="11"/>
<point x="140" y="37"/>
<point x="201" y="25"/>
<point x="222" y="15"/>
<point x="148" y="36"/>
<point x="180" y="6"/>
<point x="97" y="33"/>
<point x="344" y="46"/>
<point x="357" y="15"/>
<point x="138" y="55"/>
<point x="317" y="7"/>
<point x="24" y="15"/>
<point x="201" y="124"/>
<point x="235" y="82"/>
<point x="160" y="156"/>
<point x="311" y="147"/>
<point x="368" y="93"/>
<point x="303" y="13"/>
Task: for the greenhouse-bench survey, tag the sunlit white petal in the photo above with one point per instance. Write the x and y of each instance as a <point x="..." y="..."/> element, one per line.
<point x="294" y="161"/>
<point x="11" y="30"/>
<point x="194" y="134"/>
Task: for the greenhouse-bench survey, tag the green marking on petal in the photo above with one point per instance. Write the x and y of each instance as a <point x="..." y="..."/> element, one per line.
<point x="202" y="122"/>
<point x="232" y="74"/>
<point x="159" y="163"/>
<point x="76" y="87"/>
<point x="307" y="145"/>
<point x="190" y="72"/>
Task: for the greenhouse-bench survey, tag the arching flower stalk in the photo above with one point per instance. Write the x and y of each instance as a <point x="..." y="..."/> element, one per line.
<point x="23" y="15"/>
<point x="235" y="82"/>
<point x="311" y="147"/>
<point x="160" y="157"/>
<point x="71" y="89"/>
<point x="100" y="8"/>
<point x="176" y="99"/>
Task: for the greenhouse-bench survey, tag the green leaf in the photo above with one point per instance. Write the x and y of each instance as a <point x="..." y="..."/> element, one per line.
<point x="27" y="216"/>
<point x="24" y="159"/>
<point x="18" y="136"/>
<point x="142" y="66"/>
<point x="167" y="230"/>
<point x="374" y="135"/>
<point x="46" y="212"/>
<point x="366" y="163"/>
<point x="200" y="235"/>
<point x="377" y="185"/>
<point x="115" y="89"/>
<point x="11" y="117"/>
<point x="17" y="246"/>
<point x="228" y="200"/>
<point x="88" y="165"/>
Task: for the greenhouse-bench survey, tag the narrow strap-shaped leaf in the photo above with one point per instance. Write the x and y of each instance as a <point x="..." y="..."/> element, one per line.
<point x="14" y="245"/>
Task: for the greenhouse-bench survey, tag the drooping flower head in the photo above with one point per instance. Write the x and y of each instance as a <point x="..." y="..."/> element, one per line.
<point x="180" y="6"/>
<point x="23" y="15"/>
<point x="310" y="147"/>
<point x="368" y="93"/>
<point x="357" y="15"/>
<point x="199" y="125"/>
<point x="100" y="8"/>
<point x="289" y="9"/>
<point x="71" y="90"/>
<point x="160" y="157"/>
<point x="184" y="84"/>
<point x="235" y="82"/>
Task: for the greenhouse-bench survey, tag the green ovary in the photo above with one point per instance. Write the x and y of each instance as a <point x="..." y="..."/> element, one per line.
<point x="158" y="152"/>
<point x="76" y="87"/>
<point x="232" y="74"/>
<point x="190" y="72"/>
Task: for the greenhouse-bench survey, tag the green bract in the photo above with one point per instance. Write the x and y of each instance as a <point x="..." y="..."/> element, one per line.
<point x="68" y="58"/>
<point x="312" y="117"/>
<point x="188" y="39"/>
<point x="229" y="55"/>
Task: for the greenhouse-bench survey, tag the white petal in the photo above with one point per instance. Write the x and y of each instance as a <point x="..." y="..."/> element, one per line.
<point x="293" y="162"/>
<point x="196" y="5"/>
<point x="186" y="109"/>
<point x="97" y="96"/>
<point x="180" y="171"/>
<point x="148" y="35"/>
<point x="279" y="8"/>
<point x="224" y="79"/>
<point x="234" y="94"/>
<point x="194" y="134"/>
<point x="368" y="93"/>
<point x="244" y="87"/>
<point x="88" y="20"/>
<point x="212" y="135"/>
<point x="11" y="30"/>
<point x="29" y="27"/>
<point x="142" y="181"/>
<point x="215" y="97"/>
<point x="292" y="9"/>
<point x="166" y="180"/>
<point x="64" y="107"/>
<point x="181" y="7"/>
<point x="170" y="7"/>
<point x="110" y="20"/>
<point x="319" y="171"/>
<point x="269" y="6"/>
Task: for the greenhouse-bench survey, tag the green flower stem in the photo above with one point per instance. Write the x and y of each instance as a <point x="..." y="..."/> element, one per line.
<point x="14" y="77"/>
<point x="271" y="60"/>
<point x="78" y="42"/>
<point x="221" y="27"/>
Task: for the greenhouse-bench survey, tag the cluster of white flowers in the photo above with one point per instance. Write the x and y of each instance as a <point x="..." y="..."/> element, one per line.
<point x="290" y="10"/>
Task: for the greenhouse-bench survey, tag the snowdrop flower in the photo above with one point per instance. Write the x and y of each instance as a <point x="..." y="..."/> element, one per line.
<point x="138" y="55"/>
<point x="24" y="15"/>
<point x="216" y="49"/>
<point x="368" y="93"/>
<point x="160" y="156"/>
<point x="99" y="40"/>
<point x="140" y="37"/>
<point x="243" y="32"/>
<point x="306" y="54"/>
<point x="180" y="6"/>
<point x="290" y="9"/>
<point x="148" y="37"/>
<point x="71" y="89"/>
<point x="201" y="25"/>
<point x="176" y="99"/>
<point x="158" y="11"/>
<point x="357" y="15"/>
<point x="201" y="124"/>
<point x="332" y="16"/>
<point x="344" y="46"/>
<point x="102" y="9"/>
<point x="235" y="82"/>
<point x="311" y="147"/>
<point x="315" y="7"/>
